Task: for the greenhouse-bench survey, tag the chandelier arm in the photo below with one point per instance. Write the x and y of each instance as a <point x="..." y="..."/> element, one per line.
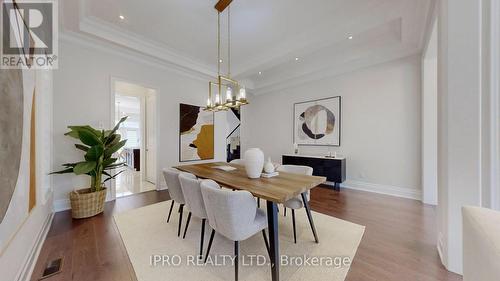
<point x="229" y="41"/>
<point x="218" y="95"/>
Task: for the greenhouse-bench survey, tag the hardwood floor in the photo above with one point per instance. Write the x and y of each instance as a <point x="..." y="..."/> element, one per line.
<point x="398" y="244"/>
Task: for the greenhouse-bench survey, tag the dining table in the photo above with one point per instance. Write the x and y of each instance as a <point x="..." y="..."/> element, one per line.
<point x="275" y="190"/>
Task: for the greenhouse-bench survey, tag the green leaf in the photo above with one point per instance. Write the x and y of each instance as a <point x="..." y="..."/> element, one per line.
<point x="94" y="153"/>
<point x="84" y="167"/>
<point x="117" y="126"/>
<point x="109" y="151"/>
<point x="82" y="147"/>
<point x="73" y="134"/>
<point x="112" y="177"/>
<point x="88" y="137"/>
<point x="114" y="166"/>
<point x="108" y="162"/>
<point x="86" y="127"/>
<point x="65" y="171"/>
<point x="112" y="140"/>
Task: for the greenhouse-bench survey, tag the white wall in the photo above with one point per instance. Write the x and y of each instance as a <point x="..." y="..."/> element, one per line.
<point x="19" y="256"/>
<point x="429" y="120"/>
<point x="380" y="125"/>
<point x="82" y="95"/>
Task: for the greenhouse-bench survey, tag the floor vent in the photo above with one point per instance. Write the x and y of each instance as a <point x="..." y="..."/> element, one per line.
<point x="52" y="268"/>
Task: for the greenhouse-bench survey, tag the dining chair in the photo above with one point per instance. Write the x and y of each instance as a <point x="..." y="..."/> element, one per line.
<point x="234" y="215"/>
<point x="299" y="201"/>
<point x="242" y="162"/>
<point x="190" y="186"/>
<point x="171" y="176"/>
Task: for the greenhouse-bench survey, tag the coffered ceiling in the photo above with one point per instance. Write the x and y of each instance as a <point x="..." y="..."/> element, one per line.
<point x="275" y="43"/>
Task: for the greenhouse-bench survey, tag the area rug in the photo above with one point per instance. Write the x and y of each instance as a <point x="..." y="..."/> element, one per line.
<point x="157" y="254"/>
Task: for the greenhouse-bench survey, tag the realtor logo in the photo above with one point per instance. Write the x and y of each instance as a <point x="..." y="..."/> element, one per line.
<point x="29" y="34"/>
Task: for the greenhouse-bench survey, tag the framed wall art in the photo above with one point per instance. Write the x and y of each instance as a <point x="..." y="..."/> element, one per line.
<point x="317" y="122"/>
<point x="196" y="133"/>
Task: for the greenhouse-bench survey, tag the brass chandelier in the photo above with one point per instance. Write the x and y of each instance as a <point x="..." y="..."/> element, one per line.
<point x="235" y="94"/>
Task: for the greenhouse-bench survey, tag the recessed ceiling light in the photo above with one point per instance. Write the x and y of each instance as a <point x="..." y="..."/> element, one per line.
<point x="121" y="17"/>
<point x="220" y="60"/>
<point x="296" y="59"/>
<point x="350" y="37"/>
<point x="260" y="72"/>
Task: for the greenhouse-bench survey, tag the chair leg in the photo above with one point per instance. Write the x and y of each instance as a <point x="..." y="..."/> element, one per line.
<point x="187" y="224"/>
<point x="294" y="230"/>
<point x="309" y="217"/>
<point x="181" y="210"/>
<point x="258" y="202"/>
<point x="209" y="245"/>
<point x="236" y="257"/>
<point x="202" y="237"/>
<point x="170" y="212"/>
<point x="266" y="242"/>
<point x="284" y="211"/>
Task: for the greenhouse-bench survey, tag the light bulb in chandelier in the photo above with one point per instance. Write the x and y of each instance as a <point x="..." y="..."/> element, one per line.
<point x="243" y="93"/>
<point x="217" y="99"/>
<point x="209" y="102"/>
<point x="229" y="94"/>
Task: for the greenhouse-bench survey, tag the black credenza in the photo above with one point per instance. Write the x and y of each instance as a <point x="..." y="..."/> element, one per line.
<point x="334" y="169"/>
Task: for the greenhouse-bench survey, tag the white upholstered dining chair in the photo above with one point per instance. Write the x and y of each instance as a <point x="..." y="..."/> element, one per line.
<point x="194" y="201"/>
<point x="299" y="201"/>
<point x="233" y="214"/>
<point x="171" y="176"/>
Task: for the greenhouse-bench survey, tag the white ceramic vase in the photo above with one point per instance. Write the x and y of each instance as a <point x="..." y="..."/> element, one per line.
<point x="269" y="166"/>
<point x="254" y="162"/>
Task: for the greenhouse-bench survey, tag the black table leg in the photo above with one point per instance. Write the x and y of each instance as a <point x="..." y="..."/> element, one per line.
<point x="309" y="216"/>
<point x="272" y="221"/>
<point x="337" y="186"/>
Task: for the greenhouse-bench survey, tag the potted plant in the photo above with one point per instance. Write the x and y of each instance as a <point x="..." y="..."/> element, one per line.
<point x="99" y="147"/>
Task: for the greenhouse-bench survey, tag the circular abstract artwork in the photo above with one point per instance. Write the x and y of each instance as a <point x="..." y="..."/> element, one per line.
<point x="317" y="122"/>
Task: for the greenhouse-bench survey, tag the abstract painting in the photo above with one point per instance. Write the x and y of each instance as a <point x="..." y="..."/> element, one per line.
<point x="317" y="122"/>
<point x="196" y="133"/>
<point x="17" y="150"/>
<point x="11" y="125"/>
<point x="17" y="145"/>
<point x="233" y="142"/>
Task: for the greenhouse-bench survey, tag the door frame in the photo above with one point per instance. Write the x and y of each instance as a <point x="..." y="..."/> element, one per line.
<point x="112" y="81"/>
<point x="495" y="104"/>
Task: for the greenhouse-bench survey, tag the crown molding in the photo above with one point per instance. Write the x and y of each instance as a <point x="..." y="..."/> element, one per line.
<point x="91" y="42"/>
<point x="109" y="32"/>
<point x="327" y="72"/>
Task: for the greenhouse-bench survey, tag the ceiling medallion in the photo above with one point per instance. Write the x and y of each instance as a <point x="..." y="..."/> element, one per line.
<point x="235" y="94"/>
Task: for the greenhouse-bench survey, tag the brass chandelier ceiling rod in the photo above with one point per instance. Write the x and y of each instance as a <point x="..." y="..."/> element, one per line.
<point x="230" y="100"/>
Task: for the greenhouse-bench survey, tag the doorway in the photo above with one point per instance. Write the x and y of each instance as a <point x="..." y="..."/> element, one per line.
<point x="139" y="153"/>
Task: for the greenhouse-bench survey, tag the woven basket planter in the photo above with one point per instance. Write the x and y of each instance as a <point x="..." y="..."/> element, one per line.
<point x="85" y="204"/>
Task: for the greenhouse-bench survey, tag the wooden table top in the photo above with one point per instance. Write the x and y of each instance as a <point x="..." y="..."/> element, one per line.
<point x="278" y="189"/>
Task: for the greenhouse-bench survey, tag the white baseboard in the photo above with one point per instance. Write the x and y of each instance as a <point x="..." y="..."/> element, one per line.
<point x="29" y="264"/>
<point x="65" y="204"/>
<point x="161" y="186"/>
<point x="397" y="191"/>
<point x="440" y="248"/>
<point x="61" y="205"/>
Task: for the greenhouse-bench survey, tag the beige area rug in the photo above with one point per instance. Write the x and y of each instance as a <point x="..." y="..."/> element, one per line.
<point x="147" y="237"/>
